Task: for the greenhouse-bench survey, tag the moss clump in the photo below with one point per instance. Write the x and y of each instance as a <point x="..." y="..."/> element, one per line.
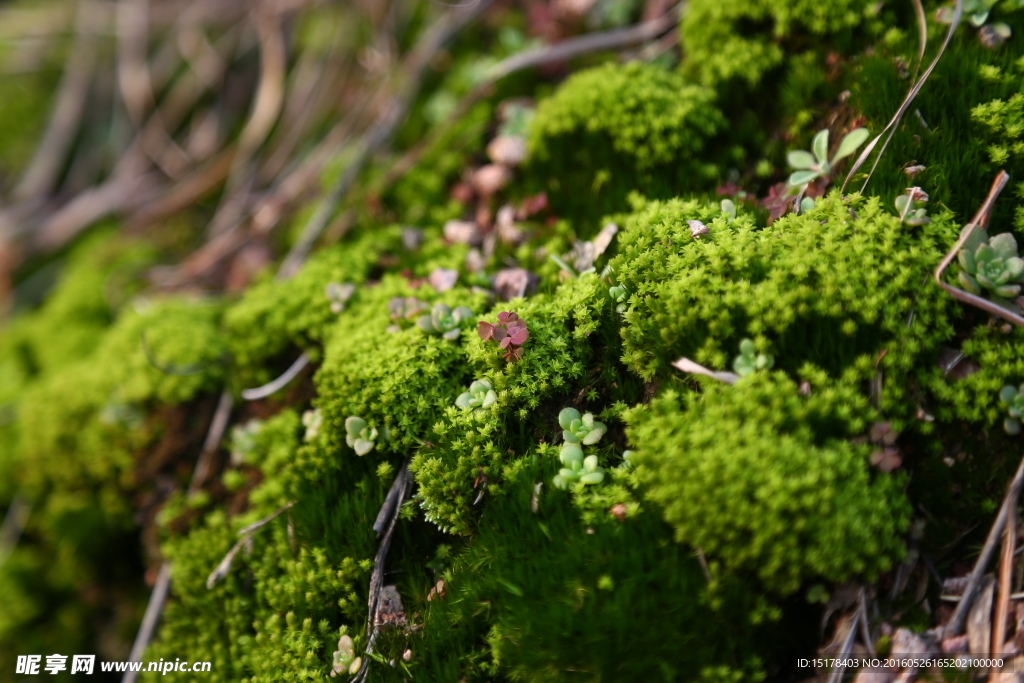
<point x="1004" y="121"/>
<point x="833" y="287"/>
<point x="744" y="39"/>
<point x="762" y="479"/>
<point x="565" y="329"/>
<point x="609" y="602"/>
<point x="615" y="128"/>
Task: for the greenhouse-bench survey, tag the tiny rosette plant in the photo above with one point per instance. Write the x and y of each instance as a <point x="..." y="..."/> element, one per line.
<point x="815" y="164"/>
<point x="750" y="360"/>
<point x="338" y="294"/>
<point x="580" y="428"/>
<point x="1013" y="399"/>
<point x="360" y="436"/>
<point x="445" y="321"/>
<point x="406" y="308"/>
<point x="577" y="468"/>
<point x="510" y="333"/>
<point x="479" y="396"/>
<point x="992" y="265"/>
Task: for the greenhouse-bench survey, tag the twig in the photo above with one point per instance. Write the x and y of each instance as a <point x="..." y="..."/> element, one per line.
<point x="865" y="626"/>
<point x="218" y="426"/>
<point x="891" y="127"/>
<point x="387" y="509"/>
<point x="149" y="621"/>
<point x="50" y="156"/>
<point x="559" y="52"/>
<point x="687" y="365"/>
<point x="287" y="376"/>
<point x="377" y="576"/>
<point x="1005" y="585"/>
<point x="837" y="673"/>
<point x="224" y="566"/>
<point x="956" y="622"/>
<point x="979" y="220"/>
<point x="922" y="34"/>
<point x="429" y="45"/>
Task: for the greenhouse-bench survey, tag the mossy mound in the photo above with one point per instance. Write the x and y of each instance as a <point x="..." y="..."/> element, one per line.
<point x="611" y="129"/>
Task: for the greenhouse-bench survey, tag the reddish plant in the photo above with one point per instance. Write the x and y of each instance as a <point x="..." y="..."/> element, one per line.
<point x="510" y="333"/>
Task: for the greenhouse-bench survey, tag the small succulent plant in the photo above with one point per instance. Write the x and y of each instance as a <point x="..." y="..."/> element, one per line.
<point x="750" y="360"/>
<point x="1013" y="399"/>
<point x="445" y="321"/>
<point x="312" y="420"/>
<point x="976" y="13"/>
<point x="360" y="436"/>
<point x="510" y="333"/>
<point x="480" y="395"/>
<point x="815" y="164"/>
<point x="619" y="294"/>
<point x="911" y="206"/>
<point x="406" y="308"/>
<point x="344" y="660"/>
<point x="338" y="294"/>
<point x="580" y="428"/>
<point x="991" y="264"/>
<point x="243" y="441"/>
<point x="577" y="468"/>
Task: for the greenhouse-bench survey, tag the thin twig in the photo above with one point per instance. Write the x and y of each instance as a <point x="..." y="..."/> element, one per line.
<point x="149" y="621"/>
<point x="387" y="509"/>
<point x="433" y="40"/>
<point x="837" y="673"/>
<point x="979" y="220"/>
<point x="559" y="52"/>
<point x="224" y="566"/>
<point x="687" y="365"/>
<point x="287" y="376"/>
<point x="891" y="127"/>
<point x="377" y="577"/>
<point x="219" y="424"/>
<point x="1005" y="586"/>
<point x="956" y="622"/>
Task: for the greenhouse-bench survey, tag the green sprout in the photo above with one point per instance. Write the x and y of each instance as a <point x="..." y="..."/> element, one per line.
<point x="359" y="436"/>
<point x="991" y="264"/>
<point x="311" y="420"/>
<point x="577" y="468"/>
<point x="813" y="165"/>
<point x="619" y="294"/>
<point x="444" y="321"/>
<point x="406" y="308"/>
<point x="580" y="428"/>
<point x="976" y="12"/>
<point x="338" y="294"/>
<point x="345" y="660"/>
<point x="1013" y="399"/>
<point x="911" y="206"/>
<point x="750" y="360"/>
<point x="480" y="395"/>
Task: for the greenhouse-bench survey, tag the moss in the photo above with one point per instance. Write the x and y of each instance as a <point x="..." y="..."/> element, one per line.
<point x="615" y="128"/>
<point x="558" y="600"/>
<point x="739" y="39"/>
<point x="952" y="137"/>
<point x="762" y="480"/>
<point x="826" y="287"/>
<point x="273" y="317"/>
<point x="564" y="330"/>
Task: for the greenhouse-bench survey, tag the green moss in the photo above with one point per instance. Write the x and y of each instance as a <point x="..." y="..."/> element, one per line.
<point x="273" y="317"/>
<point x="559" y="601"/>
<point x="615" y="128"/>
<point x="743" y="39"/>
<point x="762" y="480"/>
<point x="833" y="287"/>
